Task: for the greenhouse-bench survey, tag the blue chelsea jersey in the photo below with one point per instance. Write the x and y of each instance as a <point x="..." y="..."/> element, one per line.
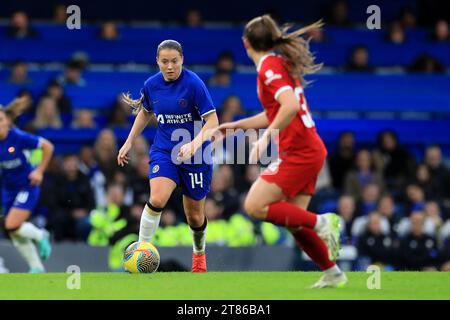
<point x="178" y="104"/>
<point x="14" y="164"/>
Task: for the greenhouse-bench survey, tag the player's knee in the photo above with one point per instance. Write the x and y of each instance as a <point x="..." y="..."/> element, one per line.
<point x="195" y="220"/>
<point x="254" y="209"/>
<point x="158" y="201"/>
<point x="11" y="226"/>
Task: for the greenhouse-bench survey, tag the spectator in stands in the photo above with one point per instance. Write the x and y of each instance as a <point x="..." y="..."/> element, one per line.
<point x="231" y="108"/>
<point x="226" y="62"/>
<point x="245" y="176"/>
<point x="56" y="91"/>
<point x="363" y="174"/>
<point x="341" y="161"/>
<point x="386" y="207"/>
<point x="359" y="60"/>
<point x="122" y="179"/>
<point x="417" y="251"/>
<point x="374" y="244"/>
<point x="395" y="162"/>
<point x="415" y="198"/>
<point x="433" y="213"/>
<point x="87" y="163"/>
<point x="423" y="180"/>
<point x="408" y="18"/>
<point x="396" y="33"/>
<point x="213" y="210"/>
<point x="105" y="150"/>
<point x="19" y="27"/>
<point x="47" y="115"/>
<point x="72" y="75"/>
<point x="60" y="13"/>
<point x="84" y="119"/>
<point x="346" y="209"/>
<point x="441" y="31"/>
<point x="369" y="198"/>
<point x="194" y="18"/>
<point x="139" y="181"/>
<point x="19" y="73"/>
<point x="140" y="150"/>
<point x="223" y="191"/>
<point x="439" y="173"/>
<point x="168" y="218"/>
<point x="225" y="66"/>
<point x="88" y="166"/>
<point x="75" y="199"/>
<point x="339" y="14"/>
<point x="108" y="31"/>
<point x="81" y="59"/>
<point x="425" y="63"/>
<point x="118" y="117"/>
<point x="220" y="79"/>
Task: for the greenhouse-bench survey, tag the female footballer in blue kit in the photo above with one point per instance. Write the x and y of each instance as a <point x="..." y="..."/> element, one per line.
<point x="21" y="188"/>
<point x="179" y="99"/>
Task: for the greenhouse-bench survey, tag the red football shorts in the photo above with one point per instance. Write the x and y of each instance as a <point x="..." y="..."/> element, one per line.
<point x="293" y="178"/>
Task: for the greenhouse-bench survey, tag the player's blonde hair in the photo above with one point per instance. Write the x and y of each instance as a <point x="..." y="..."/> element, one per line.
<point x="16" y="107"/>
<point x="264" y="34"/>
<point x="136" y="104"/>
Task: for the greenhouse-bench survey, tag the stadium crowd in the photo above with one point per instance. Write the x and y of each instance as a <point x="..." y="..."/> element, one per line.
<point x="394" y="205"/>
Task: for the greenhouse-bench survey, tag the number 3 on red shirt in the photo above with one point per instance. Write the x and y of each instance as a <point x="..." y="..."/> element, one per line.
<point x="306" y="118"/>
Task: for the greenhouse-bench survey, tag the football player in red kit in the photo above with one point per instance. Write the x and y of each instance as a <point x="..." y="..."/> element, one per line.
<point x="283" y="191"/>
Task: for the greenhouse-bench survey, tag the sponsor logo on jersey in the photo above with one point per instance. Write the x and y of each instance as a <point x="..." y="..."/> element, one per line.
<point x="183" y="103"/>
<point x="155" y="169"/>
<point x="11" y="164"/>
<point x="271" y="76"/>
<point x="174" y="118"/>
<point x="11" y="149"/>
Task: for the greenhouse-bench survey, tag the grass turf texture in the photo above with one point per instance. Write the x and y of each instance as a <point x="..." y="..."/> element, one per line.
<point x="222" y="285"/>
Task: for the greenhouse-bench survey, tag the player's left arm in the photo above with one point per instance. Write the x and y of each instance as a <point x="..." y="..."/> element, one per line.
<point x="289" y="107"/>
<point x="37" y="175"/>
<point x="207" y="112"/>
<point x="205" y="134"/>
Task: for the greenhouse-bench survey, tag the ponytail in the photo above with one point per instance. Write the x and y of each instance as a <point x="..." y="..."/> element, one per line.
<point x="136" y="104"/>
<point x="295" y="50"/>
<point x="16" y="107"/>
<point x="264" y="34"/>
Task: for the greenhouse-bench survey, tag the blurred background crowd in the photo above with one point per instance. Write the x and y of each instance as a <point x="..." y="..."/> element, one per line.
<point x="393" y="196"/>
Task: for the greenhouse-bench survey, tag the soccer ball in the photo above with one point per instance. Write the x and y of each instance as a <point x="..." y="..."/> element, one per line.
<point x="141" y="257"/>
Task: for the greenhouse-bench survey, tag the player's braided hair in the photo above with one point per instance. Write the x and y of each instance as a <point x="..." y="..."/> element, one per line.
<point x="264" y="34"/>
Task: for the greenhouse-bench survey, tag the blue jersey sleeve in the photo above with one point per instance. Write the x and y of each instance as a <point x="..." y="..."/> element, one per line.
<point x="203" y="99"/>
<point x="146" y="102"/>
<point x="28" y="141"/>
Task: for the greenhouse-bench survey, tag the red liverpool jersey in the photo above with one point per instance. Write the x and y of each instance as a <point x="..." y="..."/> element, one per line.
<point x="299" y="142"/>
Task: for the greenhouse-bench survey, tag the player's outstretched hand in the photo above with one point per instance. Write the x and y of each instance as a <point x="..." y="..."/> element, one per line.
<point x="122" y="157"/>
<point x="36" y="177"/>
<point x="227" y="128"/>
<point x="186" y="151"/>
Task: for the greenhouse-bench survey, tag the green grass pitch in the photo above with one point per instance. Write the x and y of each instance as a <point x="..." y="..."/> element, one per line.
<point x="222" y="285"/>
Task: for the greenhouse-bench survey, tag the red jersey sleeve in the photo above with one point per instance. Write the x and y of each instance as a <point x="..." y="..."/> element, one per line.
<point x="274" y="77"/>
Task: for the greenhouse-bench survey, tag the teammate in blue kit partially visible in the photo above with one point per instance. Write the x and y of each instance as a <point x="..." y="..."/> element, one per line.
<point x="21" y="187"/>
<point x="179" y="155"/>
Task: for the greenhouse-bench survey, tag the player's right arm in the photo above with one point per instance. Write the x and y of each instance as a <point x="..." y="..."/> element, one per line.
<point x="258" y="121"/>
<point x="141" y="121"/>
